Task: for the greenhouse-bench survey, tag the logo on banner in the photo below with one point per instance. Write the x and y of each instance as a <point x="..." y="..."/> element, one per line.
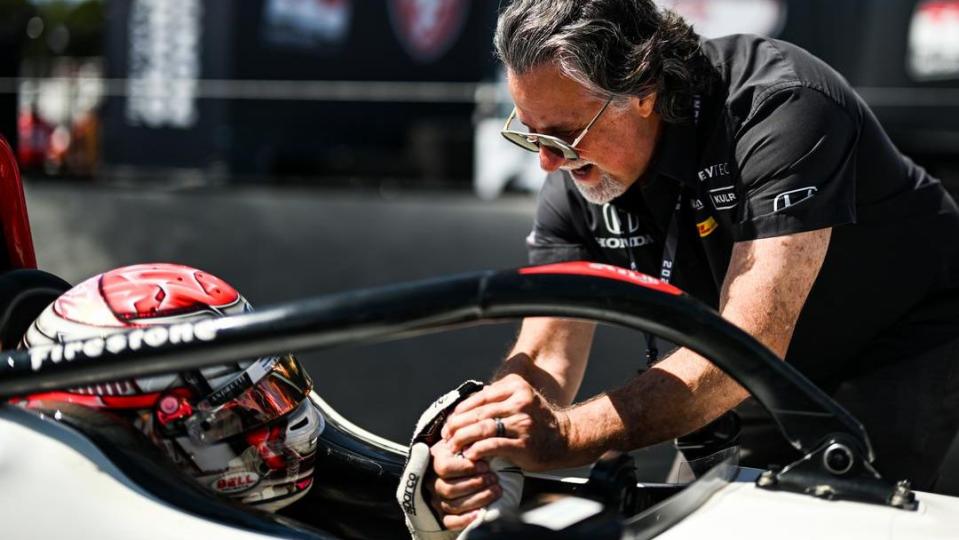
<point x="714" y="18"/>
<point x="164" y="55"/>
<point x="792" y="198"/>
<point x="933" y="48"/>
<point x="427" y="28"/>
<point x="307" y="23"/>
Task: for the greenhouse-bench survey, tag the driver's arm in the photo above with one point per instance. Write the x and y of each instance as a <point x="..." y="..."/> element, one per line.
<point x="766" y="285"/>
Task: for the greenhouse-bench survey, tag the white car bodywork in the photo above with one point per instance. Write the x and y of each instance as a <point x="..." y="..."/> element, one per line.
<point x="57" y="483"/>
<point x="745" y="511"/>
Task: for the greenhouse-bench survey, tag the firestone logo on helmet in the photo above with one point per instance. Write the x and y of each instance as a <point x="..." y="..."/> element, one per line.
<point x="153" y="337"/>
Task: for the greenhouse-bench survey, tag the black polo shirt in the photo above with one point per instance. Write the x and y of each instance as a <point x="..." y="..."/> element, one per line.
<point x="783" y="145"/>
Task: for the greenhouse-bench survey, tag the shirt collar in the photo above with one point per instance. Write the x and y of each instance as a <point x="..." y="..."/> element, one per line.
<point x="673" y="164"/>
<point x="676" y="154"/>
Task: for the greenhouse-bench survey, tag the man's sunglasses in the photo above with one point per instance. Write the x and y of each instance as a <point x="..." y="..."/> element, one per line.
<point x="534" y="141"/>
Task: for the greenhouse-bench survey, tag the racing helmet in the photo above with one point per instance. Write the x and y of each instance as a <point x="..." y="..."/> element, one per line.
<point x="247" y="430"/>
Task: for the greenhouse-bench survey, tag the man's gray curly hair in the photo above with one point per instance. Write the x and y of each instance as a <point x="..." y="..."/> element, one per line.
<point x="618" y="48"/>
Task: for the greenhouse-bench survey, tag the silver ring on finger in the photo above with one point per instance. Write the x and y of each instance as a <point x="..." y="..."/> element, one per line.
<point x="500" y="428"/>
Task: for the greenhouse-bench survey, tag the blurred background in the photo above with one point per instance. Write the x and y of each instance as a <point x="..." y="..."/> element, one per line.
<point x="300" y="147"/>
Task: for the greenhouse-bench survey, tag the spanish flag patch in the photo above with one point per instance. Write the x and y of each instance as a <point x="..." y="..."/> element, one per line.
<point x="707" y="227"/>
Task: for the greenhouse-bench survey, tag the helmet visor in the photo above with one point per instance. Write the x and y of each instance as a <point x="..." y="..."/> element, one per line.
<point x="268" y="389"/>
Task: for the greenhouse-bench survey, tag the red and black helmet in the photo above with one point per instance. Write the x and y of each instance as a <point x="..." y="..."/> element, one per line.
<point x="247" y="429"/>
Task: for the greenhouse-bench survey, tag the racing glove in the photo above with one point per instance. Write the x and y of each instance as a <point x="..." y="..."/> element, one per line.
<point x="420" y="519"/>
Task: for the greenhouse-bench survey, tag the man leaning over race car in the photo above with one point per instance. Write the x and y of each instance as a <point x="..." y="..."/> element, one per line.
<point x="752" y="176"/>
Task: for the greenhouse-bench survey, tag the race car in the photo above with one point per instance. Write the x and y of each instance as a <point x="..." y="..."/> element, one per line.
<point x="103" y="478"/>
<point x="67" y="469"/>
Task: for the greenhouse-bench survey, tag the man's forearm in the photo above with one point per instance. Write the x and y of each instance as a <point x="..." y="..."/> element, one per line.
<point x="547" y="383"/>
<point x="681" y="394"/>
<point x="551" y="355"/>
<point x="765" y="288"/>
<point x="763" y="293"/>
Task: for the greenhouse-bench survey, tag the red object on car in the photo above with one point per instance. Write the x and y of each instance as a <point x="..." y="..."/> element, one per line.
<point x="14" y="222"/>
<point x="34" y="141"/>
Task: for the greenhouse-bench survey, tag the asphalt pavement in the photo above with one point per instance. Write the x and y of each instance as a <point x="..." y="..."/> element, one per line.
<point x="281" y="245"/>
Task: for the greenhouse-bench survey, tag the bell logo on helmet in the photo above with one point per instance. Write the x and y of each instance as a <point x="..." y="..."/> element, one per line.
<point x="154" y="337"/>
<point x="235" y="482"/>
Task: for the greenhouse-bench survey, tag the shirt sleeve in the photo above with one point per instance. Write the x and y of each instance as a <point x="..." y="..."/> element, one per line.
<point x="796" y="155"/>
<point x="554" y="238"/>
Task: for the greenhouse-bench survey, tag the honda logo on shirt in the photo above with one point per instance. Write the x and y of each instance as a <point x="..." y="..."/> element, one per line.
<point x="614" y="225"/>
<point x="792" y="198"/>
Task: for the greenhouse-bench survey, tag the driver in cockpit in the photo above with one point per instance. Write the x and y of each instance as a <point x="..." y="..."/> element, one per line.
<point x="246" y="430"/>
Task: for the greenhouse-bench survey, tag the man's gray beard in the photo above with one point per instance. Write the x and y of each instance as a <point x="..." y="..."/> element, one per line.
<point x="604" y="191"/>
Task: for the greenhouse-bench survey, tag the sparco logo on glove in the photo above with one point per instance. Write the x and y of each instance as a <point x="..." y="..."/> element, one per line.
<point x="411" y="482"/>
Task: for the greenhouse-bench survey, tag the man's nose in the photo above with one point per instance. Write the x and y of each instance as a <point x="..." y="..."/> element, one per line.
<point x="549" y="161"/>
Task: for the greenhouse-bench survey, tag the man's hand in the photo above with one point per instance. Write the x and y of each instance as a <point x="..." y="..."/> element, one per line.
<point x="460" y="487"/>
<point x="534" y="434"/>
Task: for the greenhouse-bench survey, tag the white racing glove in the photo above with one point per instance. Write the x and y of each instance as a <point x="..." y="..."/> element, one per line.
<point x="420" y="519"/>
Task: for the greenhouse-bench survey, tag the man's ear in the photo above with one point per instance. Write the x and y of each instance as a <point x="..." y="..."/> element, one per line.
<point x="645" y="105"/>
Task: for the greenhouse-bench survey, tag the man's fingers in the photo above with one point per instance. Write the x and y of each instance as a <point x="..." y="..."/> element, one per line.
<point x="499" y="409"/>
<point x="464" y="437"/>
<point x="505" y="448"/>
<point x="447" y="465"/>
<point x="463" y="505"/>
<point x="500" y="391"/>
<point x="460" y="487"/>
<point x="455" y="523"/>
<point x="492" y="393"/>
